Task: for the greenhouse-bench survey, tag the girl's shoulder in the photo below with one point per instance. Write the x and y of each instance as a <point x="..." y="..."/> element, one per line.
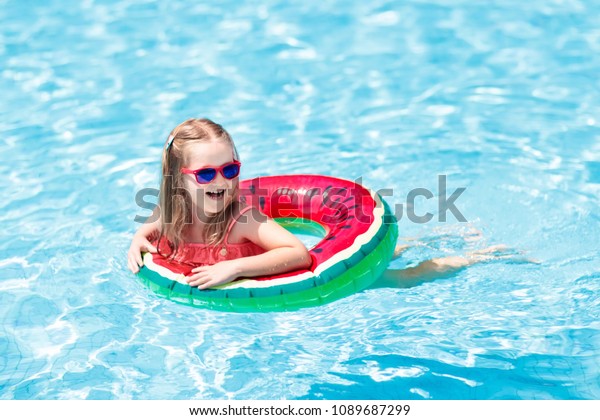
<point x="246" y="218"/>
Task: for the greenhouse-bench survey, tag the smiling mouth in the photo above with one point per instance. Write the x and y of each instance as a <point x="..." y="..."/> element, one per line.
<point x="215" y="195"/>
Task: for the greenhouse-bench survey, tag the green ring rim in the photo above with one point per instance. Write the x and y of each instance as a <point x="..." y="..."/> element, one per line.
<point x="342" y="279"/>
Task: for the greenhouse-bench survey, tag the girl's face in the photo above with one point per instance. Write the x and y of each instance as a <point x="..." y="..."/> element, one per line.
<point x="213" y="197"/>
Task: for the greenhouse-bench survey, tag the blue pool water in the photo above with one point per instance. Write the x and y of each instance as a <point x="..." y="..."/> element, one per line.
<point x="503" y="99"/>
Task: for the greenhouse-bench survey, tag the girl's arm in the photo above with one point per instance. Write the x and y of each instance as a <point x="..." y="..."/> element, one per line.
<point x="149" y="228"/>
<point x="285" y="252"/>
<point x="141" y="242"/>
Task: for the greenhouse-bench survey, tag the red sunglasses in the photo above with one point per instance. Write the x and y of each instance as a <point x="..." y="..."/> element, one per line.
<point x="207" y="174"/>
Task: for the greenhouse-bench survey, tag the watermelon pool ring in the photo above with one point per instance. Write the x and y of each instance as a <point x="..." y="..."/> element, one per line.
<point x="358" y="231"/>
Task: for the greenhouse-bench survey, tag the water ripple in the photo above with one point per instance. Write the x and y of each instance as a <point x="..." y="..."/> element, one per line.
<point x="502" y="99"/>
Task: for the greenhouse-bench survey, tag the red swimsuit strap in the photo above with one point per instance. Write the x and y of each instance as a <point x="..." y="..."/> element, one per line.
<point x="226" y="240"/>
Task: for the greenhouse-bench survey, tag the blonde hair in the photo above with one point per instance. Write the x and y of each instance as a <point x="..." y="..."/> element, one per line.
<point x="176" y="213"/>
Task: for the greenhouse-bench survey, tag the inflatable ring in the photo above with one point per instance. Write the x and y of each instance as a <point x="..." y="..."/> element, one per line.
<point x="359" y="235"/>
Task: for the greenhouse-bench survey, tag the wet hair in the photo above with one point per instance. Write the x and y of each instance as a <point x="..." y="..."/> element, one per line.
<point x="175" y="203"/>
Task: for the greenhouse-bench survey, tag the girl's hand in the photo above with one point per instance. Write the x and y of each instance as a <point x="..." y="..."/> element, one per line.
<point x="213" y="275"/>
<point x="139" y="244"/>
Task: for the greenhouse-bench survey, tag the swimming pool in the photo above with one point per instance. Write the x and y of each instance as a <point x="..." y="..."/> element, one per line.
<point x="502" y="99"/>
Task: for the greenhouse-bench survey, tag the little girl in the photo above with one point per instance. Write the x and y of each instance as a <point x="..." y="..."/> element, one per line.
<point x="204" y="230"/>
<point x="199" y="229"/>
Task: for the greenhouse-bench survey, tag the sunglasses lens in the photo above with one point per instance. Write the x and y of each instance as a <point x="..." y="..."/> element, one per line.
<point x="205" y="176"/>
<point x="231" y="171"/>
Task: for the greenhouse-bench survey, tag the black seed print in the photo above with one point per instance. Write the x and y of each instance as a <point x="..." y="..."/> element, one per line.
<point x="325" y="196"/>
<point x="337" y="207"/>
